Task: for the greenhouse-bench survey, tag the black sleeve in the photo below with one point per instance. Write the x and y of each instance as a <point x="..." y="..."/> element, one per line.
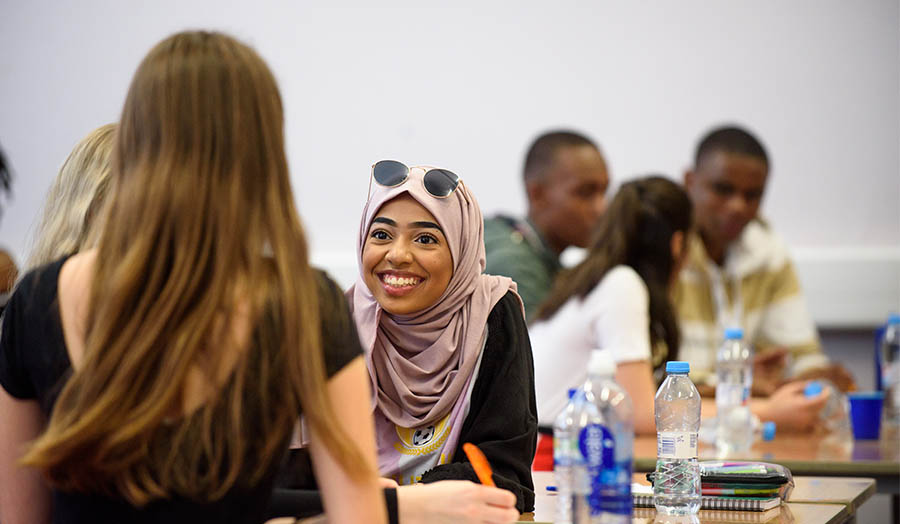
<point x="297" y="493"/>
<point x="308" y="503"/>
<point x="502" y="419"/>
<point x="13" y="374"/>
<point x="339" y="339"/>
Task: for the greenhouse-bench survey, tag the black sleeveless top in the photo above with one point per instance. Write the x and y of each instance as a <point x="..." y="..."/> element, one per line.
<point x="34" y="365"/>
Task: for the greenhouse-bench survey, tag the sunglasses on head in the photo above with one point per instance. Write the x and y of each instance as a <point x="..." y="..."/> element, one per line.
<point x="439" y="183"/>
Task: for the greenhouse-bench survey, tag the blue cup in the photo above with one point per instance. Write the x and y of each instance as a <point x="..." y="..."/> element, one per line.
<point x="865" y="414"/>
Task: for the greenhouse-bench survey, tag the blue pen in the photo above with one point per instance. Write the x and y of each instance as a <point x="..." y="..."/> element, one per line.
<point x="551" y="488"/>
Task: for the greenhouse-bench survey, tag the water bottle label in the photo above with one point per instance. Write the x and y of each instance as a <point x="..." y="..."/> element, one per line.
<point x="611" y="490"/>
<point x="676" y="444"/>
<point x="596" y="446"/>
<point x="610" y="481"/>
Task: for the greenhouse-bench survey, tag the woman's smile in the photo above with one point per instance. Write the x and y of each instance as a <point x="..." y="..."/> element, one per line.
<point x="399" y="283"/>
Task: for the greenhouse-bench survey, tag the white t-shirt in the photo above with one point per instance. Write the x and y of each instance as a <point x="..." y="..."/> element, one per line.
<point x="614" y="315"/>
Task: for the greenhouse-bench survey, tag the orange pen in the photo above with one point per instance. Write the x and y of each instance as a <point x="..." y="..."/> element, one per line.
<point x="480" y="464"/>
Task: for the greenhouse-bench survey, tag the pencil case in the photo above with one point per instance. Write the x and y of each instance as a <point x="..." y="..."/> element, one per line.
<point x="745" y="479"/>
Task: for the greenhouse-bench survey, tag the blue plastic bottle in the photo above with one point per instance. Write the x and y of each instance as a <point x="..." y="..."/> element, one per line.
<point x="609" y="452"/>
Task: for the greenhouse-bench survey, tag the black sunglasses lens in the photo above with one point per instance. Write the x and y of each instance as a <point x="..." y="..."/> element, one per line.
<point x="390" y="173"/>
<point x="440" y="182"/>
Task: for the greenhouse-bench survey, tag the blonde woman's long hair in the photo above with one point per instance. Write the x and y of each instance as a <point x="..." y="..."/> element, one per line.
<point x="201" y="232"/>
<point x="74" y="200"/>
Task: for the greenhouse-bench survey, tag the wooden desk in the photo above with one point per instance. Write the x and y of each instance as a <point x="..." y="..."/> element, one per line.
<point x="790" y="513"/>
<point x="795" y="512"/>
<point x="805" y="455"/>
<point x="849" y="491"/>
<point x="787" y="514"/>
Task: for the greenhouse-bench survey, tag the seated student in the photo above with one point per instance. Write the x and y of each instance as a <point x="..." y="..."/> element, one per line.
<point x="739" y="273"/>
<point x="446" y="346"/>
<point x="617" y="299"/>
<point x="74" y="200"/>
<point x="157" y="377"/>
<point x="565" y="179"/>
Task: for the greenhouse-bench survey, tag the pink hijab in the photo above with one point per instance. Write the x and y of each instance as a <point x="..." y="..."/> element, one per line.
<point x="421" y="364"/>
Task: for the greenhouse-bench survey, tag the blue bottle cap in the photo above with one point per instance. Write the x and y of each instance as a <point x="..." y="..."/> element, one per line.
<point x="734" y="333"/>
<point x="812" y="389"/>
<point x="572" y="392"/>
<point x="678" y="367"/>
<point x="893" y="319"/>
<point x="768" y="431"/>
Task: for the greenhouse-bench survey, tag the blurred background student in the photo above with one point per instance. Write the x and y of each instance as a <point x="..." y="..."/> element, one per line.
<point x="157" y="377"/>
<point x="739" y="273"/>
<point x="74" y="200"/>
<point x="565" y="178"/>
<point x="618" y="298"/>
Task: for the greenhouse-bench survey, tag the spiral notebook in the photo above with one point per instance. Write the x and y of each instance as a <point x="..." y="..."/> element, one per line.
<point x="642" y="496"/>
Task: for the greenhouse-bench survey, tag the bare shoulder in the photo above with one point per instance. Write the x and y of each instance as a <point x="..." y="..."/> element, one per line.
<point x="74" y="291"/>
<point x="75" y="277"/>
<point x="77" y="267"/>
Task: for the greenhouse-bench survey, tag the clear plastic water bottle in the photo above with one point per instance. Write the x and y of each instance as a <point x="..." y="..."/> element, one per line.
<point x="676" y="489"/>
<point x="890" y="375"/>
<point x="835" y="413"/>
<point x="734" y="371"/>
<point x="609" y="458"/>
<point x="761" y="431"/>
<point x="569" y="465"/>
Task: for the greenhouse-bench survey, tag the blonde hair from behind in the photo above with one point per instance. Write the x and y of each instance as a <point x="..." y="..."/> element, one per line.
<point x="69" y="217"/>
<point x="201" y="232"/>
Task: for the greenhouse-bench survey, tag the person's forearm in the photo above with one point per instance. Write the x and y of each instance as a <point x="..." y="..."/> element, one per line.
<point x="708" y="407"/>
<point x="644" y="422"/>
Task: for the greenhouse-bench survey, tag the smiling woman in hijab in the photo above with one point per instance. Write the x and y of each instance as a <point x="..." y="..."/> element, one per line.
<point x="446" y="346"/>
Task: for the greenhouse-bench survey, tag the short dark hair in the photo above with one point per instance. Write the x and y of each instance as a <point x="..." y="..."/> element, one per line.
<point x="541" y="155"/>
<point x="731" y="139"/>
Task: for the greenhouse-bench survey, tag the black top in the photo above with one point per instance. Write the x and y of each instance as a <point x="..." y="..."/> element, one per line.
<point x="502" y="418"/>
<point x="34" y="364"/>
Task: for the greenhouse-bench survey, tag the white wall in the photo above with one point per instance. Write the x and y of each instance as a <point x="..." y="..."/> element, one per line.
<point x="467" y="86"/>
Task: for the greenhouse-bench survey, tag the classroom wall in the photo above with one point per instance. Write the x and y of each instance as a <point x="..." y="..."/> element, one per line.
<point x="467" y="85"/>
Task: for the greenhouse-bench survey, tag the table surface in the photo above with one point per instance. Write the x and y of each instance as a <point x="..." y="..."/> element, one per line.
<point x="849" y="491"/>
<point x="814" y="499"/>
<point x="806" y="455"/>
<point x="792" y="512"/>
<point x="808" y="503"/>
